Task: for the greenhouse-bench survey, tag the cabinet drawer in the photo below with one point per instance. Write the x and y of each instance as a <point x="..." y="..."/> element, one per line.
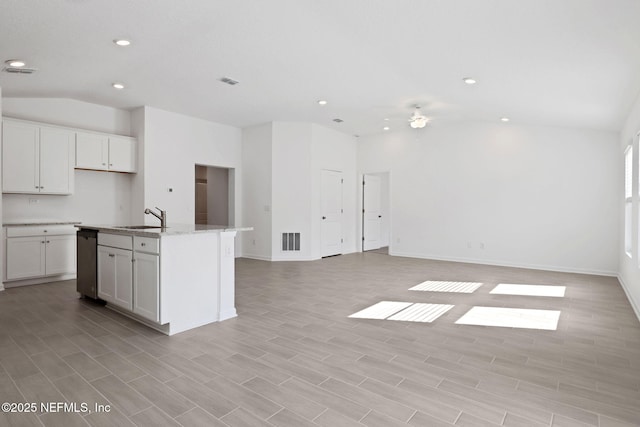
<point x="40" y="230"/>
<point x="115" y="240"/>
<point x="146" y="244"/>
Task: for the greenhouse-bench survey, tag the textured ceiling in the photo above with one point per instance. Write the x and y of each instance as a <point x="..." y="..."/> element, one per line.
<point x="568" y="63"/>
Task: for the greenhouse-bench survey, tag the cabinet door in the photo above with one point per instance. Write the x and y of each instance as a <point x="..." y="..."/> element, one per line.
<point x="146" y="286"/>
<point x="25" y="257"/>
<point x="122" y="154"/>
<point x="106" y="273"/>
<point x="91" y="151"/>
<point x="60" y="255"/>
<point x="56" y="161"/>
<point x="124" y="279"/>
<point x="20" y="157"/>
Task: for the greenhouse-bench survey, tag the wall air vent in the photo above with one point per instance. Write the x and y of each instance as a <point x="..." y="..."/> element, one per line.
<point x="290" y="241"/>
<point x="229" y="81"/>
<point x="19" y="70"/>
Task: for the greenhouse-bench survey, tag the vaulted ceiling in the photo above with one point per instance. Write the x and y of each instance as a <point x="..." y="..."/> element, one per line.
<point x="549" y="62"/>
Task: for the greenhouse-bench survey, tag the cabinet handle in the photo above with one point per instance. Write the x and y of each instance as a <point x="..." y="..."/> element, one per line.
<point x="112" y="255"/>
<point x="104" y="164"/>
<point x="143" y="244"/>
<point x="48" y="241"/>
<point x="45" y="231"/>
<point x="42" y="241"/>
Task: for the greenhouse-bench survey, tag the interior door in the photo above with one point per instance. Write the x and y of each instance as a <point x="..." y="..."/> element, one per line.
<point x="371" y="214"/>
<point x="331" y="201"/>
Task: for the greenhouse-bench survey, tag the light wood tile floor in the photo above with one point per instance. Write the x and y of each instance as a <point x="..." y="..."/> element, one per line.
<point x="293" y="357"/>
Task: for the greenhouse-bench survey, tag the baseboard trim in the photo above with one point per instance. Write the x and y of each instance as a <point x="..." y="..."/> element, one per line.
<point x="508" y="264"/>
<point x="38" y="280"/>
<point x="634" y="304"/>
<point x="258" y="257"/>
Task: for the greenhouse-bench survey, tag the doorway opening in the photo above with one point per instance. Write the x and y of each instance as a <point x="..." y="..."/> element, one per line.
<point x="214" y="195"/>
<point x="375" y="212"/>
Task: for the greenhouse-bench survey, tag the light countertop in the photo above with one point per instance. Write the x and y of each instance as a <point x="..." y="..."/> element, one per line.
<point x="24" y="223"/>
<point x="172" y="229"/>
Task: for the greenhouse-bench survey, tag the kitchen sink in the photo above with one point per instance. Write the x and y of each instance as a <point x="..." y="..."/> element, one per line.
<point x="137" y="227"/>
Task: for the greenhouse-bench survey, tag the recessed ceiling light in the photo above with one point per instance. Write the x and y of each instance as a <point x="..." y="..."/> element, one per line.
<point x="504" y="119"/>
<point x="15" y="63"/>
<point x="122" y="42"/>
<point x="386" y="119"/>
<point x="469" y="80"/>
<point x="322" y="102"/>
<point x="118" y="85"/>
<point x="385" y="128"/>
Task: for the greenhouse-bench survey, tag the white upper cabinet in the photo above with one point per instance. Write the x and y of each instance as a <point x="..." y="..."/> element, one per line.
<point x="36" y="159"/>
<point x="105" y="152"/>
<point x="92" y="151"/>
<point x="122" y="154"/>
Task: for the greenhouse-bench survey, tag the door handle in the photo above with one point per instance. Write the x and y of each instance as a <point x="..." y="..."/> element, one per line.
<point x="379" y="216"/>
<point x="324" y="217"/>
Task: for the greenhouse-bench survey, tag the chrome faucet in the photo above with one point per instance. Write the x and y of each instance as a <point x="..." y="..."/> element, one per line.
<point x="162" y="217"/>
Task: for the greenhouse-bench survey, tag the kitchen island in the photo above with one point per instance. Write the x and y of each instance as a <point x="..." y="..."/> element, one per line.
<point x="172" y="279"/>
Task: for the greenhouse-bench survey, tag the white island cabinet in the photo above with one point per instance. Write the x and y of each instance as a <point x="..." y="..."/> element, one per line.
<point x="172" y="279"/>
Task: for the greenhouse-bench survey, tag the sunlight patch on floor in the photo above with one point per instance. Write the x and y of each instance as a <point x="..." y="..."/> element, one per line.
<point x="381" y="310"/>
<point x="440" y="286"/>
<point x="403" y="311"/>
<point x="511" y="318"/>
<point x="424" y="313"/>
<point x="529" y="290"/>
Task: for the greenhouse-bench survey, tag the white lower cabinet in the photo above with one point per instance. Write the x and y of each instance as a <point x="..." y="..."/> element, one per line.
<point x="130" y="278"/>
<point x="60" y="254"/>
<point x="146" y="301"/>
<point x="39" y="251"/>
<point x="25" y="257"/>
<point x="115" y="272"/>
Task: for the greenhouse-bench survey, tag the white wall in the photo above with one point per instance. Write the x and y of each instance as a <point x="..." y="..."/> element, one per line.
<point x="256" y="197"/>
<point x="333" y="150"/>
<point x="173" y="145"/>
<point x="99" y="197"/>
<point x="69" y="112"/>
<point x="526" y="196"/>
<point x="628" y="270"/>
<point x="291" y="188"/>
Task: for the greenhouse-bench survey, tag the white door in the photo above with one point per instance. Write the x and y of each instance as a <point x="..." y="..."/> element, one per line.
<point x="92" y="151"/>
<point x="106" y="273"/>
<point x="371" y="214"/>
<point x="25" y="257"/>
<point x="20" y="157"/>
<point x="122" y="154"/>
<point x="146" y="285"/>
<point x="61" y="254"/>
<point x="124" y="278"/>
<point x="331" y="202"/>
<point x="56" y="161"/>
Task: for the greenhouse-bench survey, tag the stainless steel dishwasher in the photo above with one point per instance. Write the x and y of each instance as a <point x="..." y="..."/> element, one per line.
<point x="87" y="266"/>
